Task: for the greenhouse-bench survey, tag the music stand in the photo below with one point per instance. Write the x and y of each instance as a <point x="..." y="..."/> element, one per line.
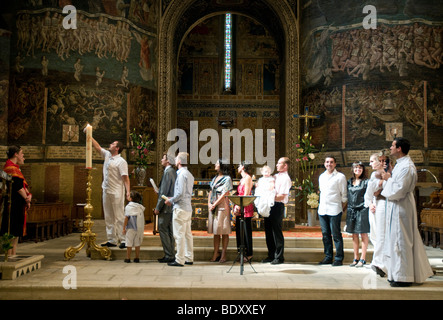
<point x="242" y="201"/>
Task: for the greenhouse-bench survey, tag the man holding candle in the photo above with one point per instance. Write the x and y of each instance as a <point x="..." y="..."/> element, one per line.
<point x="115" y="181"/>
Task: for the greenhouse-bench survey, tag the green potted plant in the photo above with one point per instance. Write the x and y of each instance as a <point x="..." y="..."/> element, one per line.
<point x="140" y="150"/>
<point x="306" y="154"/>
<point x="6" y="244"/>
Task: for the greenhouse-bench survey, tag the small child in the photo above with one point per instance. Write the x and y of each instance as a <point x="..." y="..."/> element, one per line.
<point x="134" y="225"/>
<point x="265" y="192"/>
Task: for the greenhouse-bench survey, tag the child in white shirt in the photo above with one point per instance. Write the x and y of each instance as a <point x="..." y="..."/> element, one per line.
<point x="134" y="225"/>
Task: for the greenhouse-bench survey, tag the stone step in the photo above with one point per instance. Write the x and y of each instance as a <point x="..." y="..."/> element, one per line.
<point x="297" y="250"/>
<point x="290" y="242"/>
<point x="292" y="255"/>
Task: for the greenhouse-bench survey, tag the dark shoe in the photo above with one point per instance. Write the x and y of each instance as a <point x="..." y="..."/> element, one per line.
<point x="276" y="261"/>
<point x="136" y="260"/>
<point x="122" y="245"/>
<point x="325" y="261"/>
<point x="267" y="260"/>
<point x="398" y="284"/>
<point x="166" y="260"/>
<point x="175" y="264"/>
<point x="379" y="271"/>
<point x="354" y="263"/>
<point x="189" y="263"/>
<point x="108" y="244"/>
<point x="127" y="260"/>
<point x="337" y="263"/>
<point x="361" y="263"/>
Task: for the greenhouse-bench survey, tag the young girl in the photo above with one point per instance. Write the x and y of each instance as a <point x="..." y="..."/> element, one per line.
<point x="265" y="192"/>
<point x="377" y="216"/>
<point x="134" y="225"/>
<point x="357" y="217"/>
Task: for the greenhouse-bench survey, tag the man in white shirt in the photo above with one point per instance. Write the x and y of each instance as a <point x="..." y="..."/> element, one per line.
<point x="182" y="212"/>
<point x="115" y="181"/>
<point x="333" y="198"/>
<point x="275" y="240"/>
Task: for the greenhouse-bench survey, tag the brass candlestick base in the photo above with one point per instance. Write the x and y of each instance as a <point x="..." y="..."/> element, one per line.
<point x="88" y="237"/>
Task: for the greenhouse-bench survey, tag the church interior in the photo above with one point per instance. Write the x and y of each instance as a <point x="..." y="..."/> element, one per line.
<point x="352" y="75"/>
<point x="153" y="66"/>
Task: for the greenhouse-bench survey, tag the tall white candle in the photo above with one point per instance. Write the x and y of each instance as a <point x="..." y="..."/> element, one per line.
<point x="88" y="147"/>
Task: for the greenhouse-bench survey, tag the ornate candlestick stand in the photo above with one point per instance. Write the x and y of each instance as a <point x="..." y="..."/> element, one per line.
<point x="88" y="237"/>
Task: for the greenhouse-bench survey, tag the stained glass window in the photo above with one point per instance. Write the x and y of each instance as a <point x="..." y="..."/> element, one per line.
<point x="228" y="49"/>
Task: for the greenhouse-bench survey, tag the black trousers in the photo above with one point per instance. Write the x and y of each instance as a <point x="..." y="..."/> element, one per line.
<point x="275" y="240"/>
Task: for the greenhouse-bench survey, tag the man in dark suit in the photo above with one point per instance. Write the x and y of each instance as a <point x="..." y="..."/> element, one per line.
<point x="164" y="211"/>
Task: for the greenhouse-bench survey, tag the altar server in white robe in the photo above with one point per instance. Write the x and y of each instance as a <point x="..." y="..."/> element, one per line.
<point x="406" y="259"/>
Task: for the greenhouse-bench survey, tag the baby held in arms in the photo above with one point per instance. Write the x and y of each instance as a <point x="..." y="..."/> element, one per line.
<point x="265" y="192"/>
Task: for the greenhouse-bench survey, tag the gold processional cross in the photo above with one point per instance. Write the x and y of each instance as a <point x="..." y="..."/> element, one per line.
<point x="306" y="116"/>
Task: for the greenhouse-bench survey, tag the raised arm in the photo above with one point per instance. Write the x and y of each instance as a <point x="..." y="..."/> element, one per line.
<point x="96" y="146"/>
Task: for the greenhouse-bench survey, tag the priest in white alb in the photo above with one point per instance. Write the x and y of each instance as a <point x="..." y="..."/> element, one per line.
<point x="405" y="256"/>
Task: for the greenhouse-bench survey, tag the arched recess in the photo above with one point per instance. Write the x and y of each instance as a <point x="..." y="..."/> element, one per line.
<point x="171" y="29"/>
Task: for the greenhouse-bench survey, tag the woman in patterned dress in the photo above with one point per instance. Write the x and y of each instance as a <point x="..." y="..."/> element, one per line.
<point x="219" y="216"/>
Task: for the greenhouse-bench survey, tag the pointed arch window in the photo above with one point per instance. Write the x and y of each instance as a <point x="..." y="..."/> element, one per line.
<point x="228" y="53"/>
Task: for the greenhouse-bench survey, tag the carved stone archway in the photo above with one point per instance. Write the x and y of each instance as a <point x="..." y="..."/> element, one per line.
<point x="167" y="76"/>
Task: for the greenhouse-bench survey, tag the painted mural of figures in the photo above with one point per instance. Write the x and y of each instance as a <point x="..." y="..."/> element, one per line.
<point x="105" y="109"/>
<point x="422" y="56"/>
<point x="99" y="35"/>
<point x="126" y="38"/>
<point x="44" y="63"/>
<point x="354" y="59"/>
<point x="124" y="78"/>
<point x="18" y="64"/>
<point x="99" y="75"/>
<point x="121" y="8"/>
<point x="21" y="25"/>
<point x="33" y="37"/>
<point x="62" y="46"/>
<point x="78" y="67"/>
<point x="402" y="65"/>
<point x="437" y="55"/>
<point x="420" y="43"/>
<point x="316" y="63"/>
<point x="145" y="56"/>
<point x="362" y="68"/>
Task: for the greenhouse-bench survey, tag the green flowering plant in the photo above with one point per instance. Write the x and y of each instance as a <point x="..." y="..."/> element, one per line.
<point x="140" y="148"/>
<point x="6" y="243"/>
<point x="306" y="159"/>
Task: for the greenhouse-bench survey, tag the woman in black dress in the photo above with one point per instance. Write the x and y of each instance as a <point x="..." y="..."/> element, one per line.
<point x="357" y="218"/>
<point x="14" y="222"/>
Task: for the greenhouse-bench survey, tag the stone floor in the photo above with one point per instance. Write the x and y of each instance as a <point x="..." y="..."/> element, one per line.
<point x="82" y="278"/>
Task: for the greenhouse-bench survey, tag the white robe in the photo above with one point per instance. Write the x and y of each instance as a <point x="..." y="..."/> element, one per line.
<point x="377" y="221"/>
<point x="405" y="255"/>
<point x="265" y="196"/>
<point x="137" y="210"/>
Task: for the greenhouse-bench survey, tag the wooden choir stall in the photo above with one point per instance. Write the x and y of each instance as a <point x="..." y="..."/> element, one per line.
<point x="48" y="220"/>
<point x="431" y="216"/>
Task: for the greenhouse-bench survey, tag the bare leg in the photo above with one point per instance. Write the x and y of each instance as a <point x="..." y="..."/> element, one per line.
<point x="216" y="255"/>
<point x="364" y="245"/>
<point x="128" y="252"/>
<point x="225" y="242"/>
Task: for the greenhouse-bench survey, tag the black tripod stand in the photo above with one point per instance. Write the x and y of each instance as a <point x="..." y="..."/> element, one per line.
<point x="242" y="201"/>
